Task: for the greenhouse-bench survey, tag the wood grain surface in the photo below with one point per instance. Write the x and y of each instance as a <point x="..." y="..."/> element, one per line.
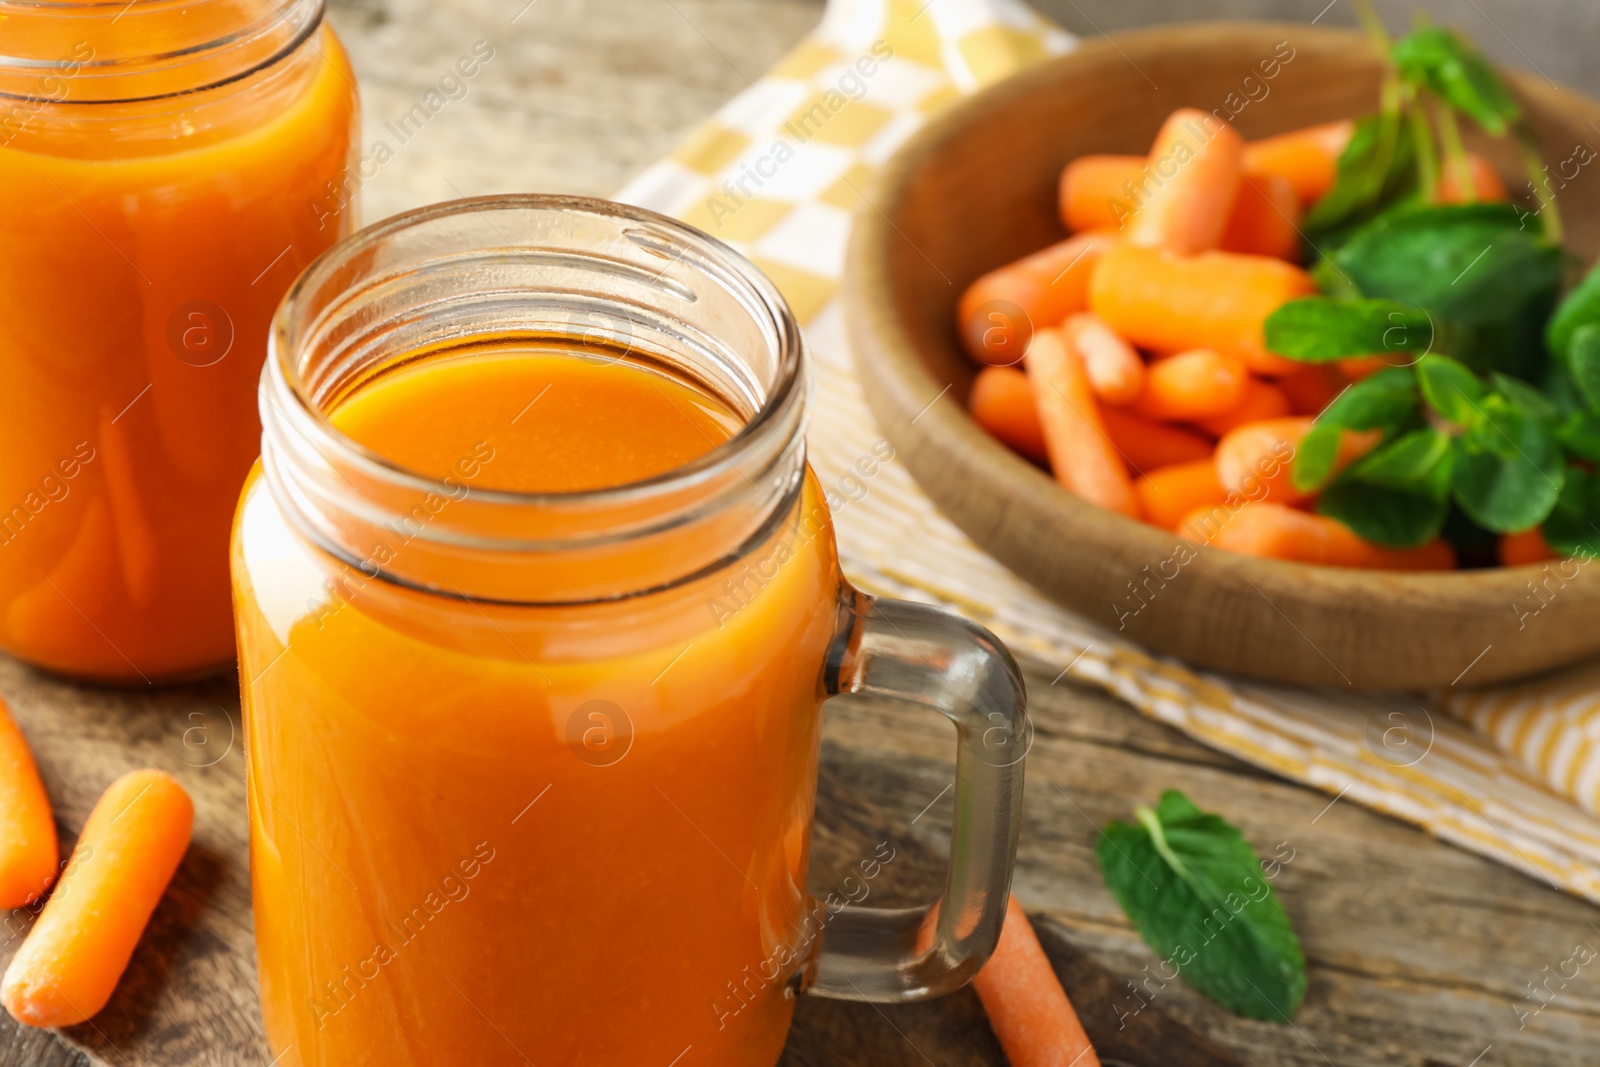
<point x="1419" y="953"/>
<point x="944" y="214"/>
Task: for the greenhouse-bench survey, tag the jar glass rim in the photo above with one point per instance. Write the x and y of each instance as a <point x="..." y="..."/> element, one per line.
<point x="780" y="394"/>
<point x="230" y="52"/>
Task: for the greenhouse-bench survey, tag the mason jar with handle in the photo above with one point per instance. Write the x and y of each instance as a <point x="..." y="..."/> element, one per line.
<point x="538" y="604"/>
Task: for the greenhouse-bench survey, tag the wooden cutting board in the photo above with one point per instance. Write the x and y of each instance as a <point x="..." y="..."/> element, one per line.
<point x="189" y="996"/>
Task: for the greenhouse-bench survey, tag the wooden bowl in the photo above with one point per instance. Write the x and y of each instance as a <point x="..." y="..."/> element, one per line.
<point x="977" y="189"/>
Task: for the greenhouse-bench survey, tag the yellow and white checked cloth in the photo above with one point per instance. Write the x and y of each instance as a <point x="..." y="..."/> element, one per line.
<point x="779" y="171"/>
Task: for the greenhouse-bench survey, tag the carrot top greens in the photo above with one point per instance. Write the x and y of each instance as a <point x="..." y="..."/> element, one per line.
<point x="1490" y="414"/>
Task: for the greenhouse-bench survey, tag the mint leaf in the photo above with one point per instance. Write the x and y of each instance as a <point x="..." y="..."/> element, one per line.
<point x="1397" y="494"/>
<point x="1441" y="60"/>
<point x="1583" y="360"/>
<point x="1314" y="459"/>
<point x="1392" y="517"/>
<point x="1418" y="462"/>
<point x="1579" y="433"/>
<point x="1381" y="402"/>
<point x="1488" y="283"/>
<point x="1527" y="398"/>
<point x="1509" y="470"/>
<point x="1330" y="282"/>
<point x="1374" y="172"/>
<point x="1573" y="528"/>
<point x="1451" y="390"/>
<point x="1580" y="307"/>
<point x="1386" y="401"/>
<point x="1318" y="329"/>
<point x="1194" y="889"/>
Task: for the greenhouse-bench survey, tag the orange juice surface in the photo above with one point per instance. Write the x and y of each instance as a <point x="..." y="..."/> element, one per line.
<point x="491" y="834"/>
<point x="145" y="249"/>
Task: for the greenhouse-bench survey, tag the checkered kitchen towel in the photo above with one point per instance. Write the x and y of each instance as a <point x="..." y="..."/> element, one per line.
<point x="1513" y="774"/>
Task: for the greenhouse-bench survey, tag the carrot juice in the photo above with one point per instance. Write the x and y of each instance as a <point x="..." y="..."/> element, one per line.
<point x="589" y="823"/>
<point x="160" y="209"/>
<point x="538" y="604"/>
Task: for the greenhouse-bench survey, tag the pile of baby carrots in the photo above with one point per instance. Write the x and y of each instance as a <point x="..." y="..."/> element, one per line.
<point x="84" y="936"/>
<point x="1130" y="358"/>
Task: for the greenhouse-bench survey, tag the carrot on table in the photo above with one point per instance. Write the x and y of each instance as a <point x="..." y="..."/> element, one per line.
<point x="1026" y="1005"/>
<point x="1485" y="181"/>
<point x="1192" y="385"/>
<point x="70" y="962"/>
<point x="1217" y="300"/>
<point x="1529" y="546"/>
<point x="1192" y="179"/>
<point x="1044" y="288"/>
<point x="1265" y="220"/>
<point x="1308" y="159"/>
<point x="1116" y="373"/>
<point x="28" y="847"/>
<point x="1002" y="403"/>
<point x="1277" y="531"/>
<point x="1147" y="445"/>
<point x="1261" y="400"/>
<point x="1100" y="192"/>
<point x="1082" y="457"/>
<point x="1168" y="495"/>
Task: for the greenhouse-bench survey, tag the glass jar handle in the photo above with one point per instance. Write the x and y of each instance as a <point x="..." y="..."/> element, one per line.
<point x="928" y="656"/>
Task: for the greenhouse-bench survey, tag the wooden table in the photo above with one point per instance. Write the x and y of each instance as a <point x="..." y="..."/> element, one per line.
<point x="1420" y="954"/>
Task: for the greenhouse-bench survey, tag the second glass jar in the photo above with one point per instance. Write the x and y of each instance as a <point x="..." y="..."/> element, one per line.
<point x="170" y="168"/>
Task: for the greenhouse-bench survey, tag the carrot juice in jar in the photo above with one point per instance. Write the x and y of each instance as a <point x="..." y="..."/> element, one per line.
<point x="167" y="168"/>
<point x="537" y="606"/>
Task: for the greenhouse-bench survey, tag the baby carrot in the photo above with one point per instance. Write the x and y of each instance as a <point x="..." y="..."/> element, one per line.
<point x="1081" y="455"/>
<point x="1192" y="385"/>
<point x="1116" y="373"/>
<point x="1026" y="1005"/>
<point x="1358" y="368"/>
<point x="1312" y="387"/>
<point x="69" y="965"/>
<point x="1256" y="460"/>
<point x="1168" y="495"/>
<point x="1103" y="192"/>
<point x="1099" y="192"/>
<point x="1147" y="445"/>
<point x="1485" y="181"/>
<point x="1276" y="531"/>
<point x="1217" y="300"/>
<point x="1529" y="546"/>
<point x="1192" y="180"/>
<point x="1002" y="309"/>
<point x="1002" y="403"/>
<point x="1261" y="400"/>
<point x="1265" y="220"/>
<point x="1307" y="158"/>
<point x="28" y="847"/>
